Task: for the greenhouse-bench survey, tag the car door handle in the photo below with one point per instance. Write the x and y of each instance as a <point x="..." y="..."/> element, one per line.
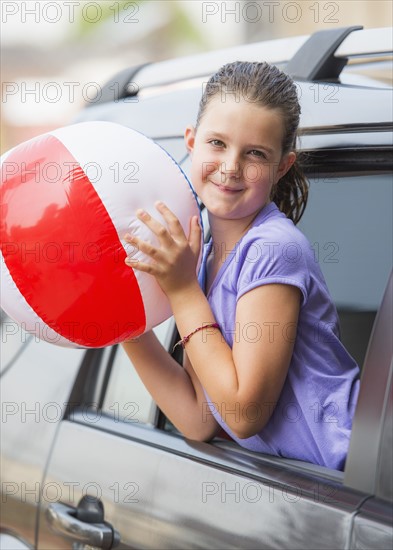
<point x="63" y="521"/>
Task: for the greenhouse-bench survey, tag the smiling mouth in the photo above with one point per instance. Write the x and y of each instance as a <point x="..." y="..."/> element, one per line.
<point x="226" y="189"/>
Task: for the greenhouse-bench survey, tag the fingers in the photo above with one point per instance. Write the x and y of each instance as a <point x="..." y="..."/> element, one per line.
<point x="140" y="266"/>
<point x="173" y="241"/>
<point x="146" y="248"/>
<point x="155" y="226"/>
<point x="139" y="245"/>
<point x="194" y="238"/>
<point x="174" y="226"/>
<point x="176" y="229"/>
<point x="156" y="254"/>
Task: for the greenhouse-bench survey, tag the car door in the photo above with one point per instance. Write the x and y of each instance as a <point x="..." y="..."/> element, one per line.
<point x="370" y="457"/>
<point x="162" y="491"/>
<point x="159" y="490"/>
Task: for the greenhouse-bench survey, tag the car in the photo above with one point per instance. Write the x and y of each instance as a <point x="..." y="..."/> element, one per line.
<point x="87" y="458"/>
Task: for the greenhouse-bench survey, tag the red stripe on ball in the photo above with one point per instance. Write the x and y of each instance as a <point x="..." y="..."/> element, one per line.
<point x="62" y="249"/>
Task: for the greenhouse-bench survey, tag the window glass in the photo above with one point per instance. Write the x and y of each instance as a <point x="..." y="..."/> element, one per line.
<point x="126" y="398"/>
<point x="376" y="73"/>
<point x="349" y="224"/>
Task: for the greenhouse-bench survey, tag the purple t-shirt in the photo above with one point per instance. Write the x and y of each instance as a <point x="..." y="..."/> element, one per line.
<point x="312" y="419"/>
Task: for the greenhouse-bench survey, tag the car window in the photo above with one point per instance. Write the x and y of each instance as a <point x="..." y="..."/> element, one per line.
<point x="348" y="222"/>
<point x="377" y="73"/>
<point x="126" y="398"/>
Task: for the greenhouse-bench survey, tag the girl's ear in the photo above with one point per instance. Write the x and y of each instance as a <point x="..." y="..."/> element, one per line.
<point x="285" y="164"/>
<point x="189" y="138"/>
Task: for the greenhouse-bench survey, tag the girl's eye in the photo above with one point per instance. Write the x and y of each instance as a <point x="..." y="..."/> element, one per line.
<point x="257" y="153"/>
<point x="216" y="143"/>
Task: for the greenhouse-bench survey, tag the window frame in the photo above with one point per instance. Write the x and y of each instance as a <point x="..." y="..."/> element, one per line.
<point x="158" y="435"/>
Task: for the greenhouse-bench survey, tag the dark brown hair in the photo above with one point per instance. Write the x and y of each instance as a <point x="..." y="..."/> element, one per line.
<point x="266" y="85"/>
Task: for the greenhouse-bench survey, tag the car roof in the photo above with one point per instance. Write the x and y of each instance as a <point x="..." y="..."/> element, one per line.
<point x="363" y="42"/>
<point x="161" y="99"/>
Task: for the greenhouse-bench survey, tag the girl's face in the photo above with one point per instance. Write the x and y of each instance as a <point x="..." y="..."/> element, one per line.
<point x="236" y="156"/>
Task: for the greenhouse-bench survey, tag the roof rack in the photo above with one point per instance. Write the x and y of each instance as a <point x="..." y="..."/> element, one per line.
<point x="119" y="86"/>
<point x="315" y="60"/>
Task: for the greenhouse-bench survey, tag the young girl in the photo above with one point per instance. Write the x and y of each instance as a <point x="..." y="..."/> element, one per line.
<point x="263" y="359"/>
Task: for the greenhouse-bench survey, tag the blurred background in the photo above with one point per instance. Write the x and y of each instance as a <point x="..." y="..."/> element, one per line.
<point x="57" y="54"/>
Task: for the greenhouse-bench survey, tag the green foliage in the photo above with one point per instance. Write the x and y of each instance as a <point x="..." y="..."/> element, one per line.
<point x="90" y="15"/>
<point x="182" y="28"/>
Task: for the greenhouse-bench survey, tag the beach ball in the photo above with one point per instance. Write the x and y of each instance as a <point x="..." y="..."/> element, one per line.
<point x="67" y="199"/>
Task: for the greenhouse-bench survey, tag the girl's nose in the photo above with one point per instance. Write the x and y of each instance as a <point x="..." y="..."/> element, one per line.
<point x="230" y="167"/>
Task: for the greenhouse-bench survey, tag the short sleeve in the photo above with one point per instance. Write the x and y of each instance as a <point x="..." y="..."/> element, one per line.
<point x="275" y="257"/>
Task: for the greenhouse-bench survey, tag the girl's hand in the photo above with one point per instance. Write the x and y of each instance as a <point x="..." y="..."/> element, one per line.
<point x="174" y="262"/>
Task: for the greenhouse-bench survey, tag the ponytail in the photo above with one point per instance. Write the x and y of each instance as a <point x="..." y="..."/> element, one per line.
<point x="291" y="193"/>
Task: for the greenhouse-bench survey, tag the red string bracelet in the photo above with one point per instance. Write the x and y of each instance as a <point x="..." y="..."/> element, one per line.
<point x="184" y="340"/>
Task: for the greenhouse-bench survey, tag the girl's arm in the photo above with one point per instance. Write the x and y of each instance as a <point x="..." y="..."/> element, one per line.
<point x="176" y="390"/>
<point x="252" y="374"/>
<point x="245" y="382"/>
